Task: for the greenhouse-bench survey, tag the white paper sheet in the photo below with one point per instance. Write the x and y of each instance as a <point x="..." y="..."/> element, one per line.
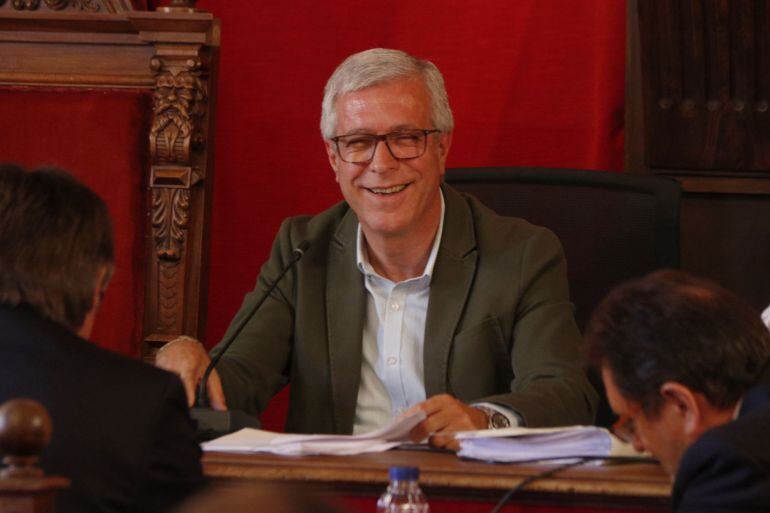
<point x="256" y="440"/>
<point x="527" y="444"/>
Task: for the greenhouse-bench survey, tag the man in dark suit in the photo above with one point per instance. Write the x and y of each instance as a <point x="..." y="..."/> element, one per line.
<point x="685" y="366"/>
<point x="121" y="430"/>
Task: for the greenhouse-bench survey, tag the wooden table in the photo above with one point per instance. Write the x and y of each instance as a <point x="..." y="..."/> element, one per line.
<point x="452" y="484"/>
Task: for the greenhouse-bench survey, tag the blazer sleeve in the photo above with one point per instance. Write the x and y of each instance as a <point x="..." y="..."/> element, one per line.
<point x="255" y="366"/>
<point x="549" y="385"/>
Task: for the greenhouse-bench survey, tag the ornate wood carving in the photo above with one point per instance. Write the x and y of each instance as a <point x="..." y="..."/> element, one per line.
<point x="29" y="5"/>
<point x="87" y="6"/>
<point x="177" y="148"/>
<point x="56" y="5"/>
<point x="170" y="216"/>
<point x="179" y="104"/>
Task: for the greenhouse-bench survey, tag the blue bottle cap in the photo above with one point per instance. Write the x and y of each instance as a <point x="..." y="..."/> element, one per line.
<point x="404" y="473"/>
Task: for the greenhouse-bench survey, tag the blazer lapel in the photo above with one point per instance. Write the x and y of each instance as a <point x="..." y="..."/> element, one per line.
<point x="449" y="289"/>
<point x="345" y="307"/>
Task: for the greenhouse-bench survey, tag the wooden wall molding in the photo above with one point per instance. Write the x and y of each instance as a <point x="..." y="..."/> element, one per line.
<point x="173" y="54"/>
<point x="95" y="6"/>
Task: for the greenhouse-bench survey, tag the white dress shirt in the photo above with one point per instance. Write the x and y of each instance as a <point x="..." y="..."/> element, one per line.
<point x="392" y="378"/>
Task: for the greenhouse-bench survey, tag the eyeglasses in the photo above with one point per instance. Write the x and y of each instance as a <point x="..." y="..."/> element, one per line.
<point x="625" y="427"/>
<point x="403" y="145"/>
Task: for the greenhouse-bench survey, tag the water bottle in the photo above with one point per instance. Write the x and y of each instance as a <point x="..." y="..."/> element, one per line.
<point x="403" y="494"/>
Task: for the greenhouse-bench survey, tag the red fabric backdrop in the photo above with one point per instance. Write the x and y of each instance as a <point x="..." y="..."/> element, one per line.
<point x="101" y="136"/>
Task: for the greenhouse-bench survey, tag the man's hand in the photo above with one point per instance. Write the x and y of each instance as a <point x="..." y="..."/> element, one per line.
<point x="186" y="357"/>
<point x="445" y="416"/>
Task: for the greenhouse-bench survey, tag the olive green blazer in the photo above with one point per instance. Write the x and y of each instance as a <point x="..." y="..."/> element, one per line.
<point x="499" y="327"/>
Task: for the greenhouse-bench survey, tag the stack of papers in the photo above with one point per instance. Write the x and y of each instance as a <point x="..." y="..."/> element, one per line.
<point x="256" y="440"/>
<point x="528" y="444"/>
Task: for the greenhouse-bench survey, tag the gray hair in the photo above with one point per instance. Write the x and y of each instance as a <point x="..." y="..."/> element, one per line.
<point x="377" y="66"/>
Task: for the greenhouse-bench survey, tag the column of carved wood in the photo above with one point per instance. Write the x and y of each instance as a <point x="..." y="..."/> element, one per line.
<point x="178" y="193"/>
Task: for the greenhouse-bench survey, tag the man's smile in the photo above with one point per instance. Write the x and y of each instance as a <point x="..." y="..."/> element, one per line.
<point x="388" y="190"/>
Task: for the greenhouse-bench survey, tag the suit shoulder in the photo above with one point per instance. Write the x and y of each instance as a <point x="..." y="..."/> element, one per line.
<point x="114" y="367"/>
<point x="315" y="227"/>
<point x="711" y="469"/>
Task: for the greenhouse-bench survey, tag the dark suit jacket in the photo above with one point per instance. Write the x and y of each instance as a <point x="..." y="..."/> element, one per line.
<point x="728" y="468"/>
<point x="121" y="430"/>
<point x="499" y="326"/>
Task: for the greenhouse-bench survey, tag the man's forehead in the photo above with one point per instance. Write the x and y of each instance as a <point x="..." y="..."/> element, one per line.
<point x="390" y="106"/>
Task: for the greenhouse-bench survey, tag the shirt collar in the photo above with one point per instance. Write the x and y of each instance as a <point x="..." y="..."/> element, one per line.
<point x="362" y="256"/>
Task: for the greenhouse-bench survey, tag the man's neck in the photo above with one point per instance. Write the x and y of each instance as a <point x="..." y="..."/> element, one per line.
<point x="403" y="256"/>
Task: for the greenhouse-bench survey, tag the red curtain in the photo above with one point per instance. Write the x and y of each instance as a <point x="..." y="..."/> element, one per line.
<point x="101" y="137"/>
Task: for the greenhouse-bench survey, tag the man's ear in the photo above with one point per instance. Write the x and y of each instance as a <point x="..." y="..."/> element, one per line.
<point x="334" y="159"/>
<point x="685" y="407"/>
<point x="102" y="280"/>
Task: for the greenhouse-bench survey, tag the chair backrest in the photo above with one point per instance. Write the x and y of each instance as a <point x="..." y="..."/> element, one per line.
<point x="613" y="226"/>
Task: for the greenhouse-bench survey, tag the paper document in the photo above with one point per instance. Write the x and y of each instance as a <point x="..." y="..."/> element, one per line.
<point x="526" y="444"/>
<point x="257" y="440"/>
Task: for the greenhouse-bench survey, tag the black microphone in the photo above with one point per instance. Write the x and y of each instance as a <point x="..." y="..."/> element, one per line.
<point x="213" y="423"/>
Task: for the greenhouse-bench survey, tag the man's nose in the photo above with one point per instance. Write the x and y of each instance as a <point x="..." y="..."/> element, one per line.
<point x="638" y="444"/>
<point x="383" y="159"/>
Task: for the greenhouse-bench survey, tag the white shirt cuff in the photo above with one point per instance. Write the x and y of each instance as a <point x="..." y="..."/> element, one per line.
<point x="509" y="414"/>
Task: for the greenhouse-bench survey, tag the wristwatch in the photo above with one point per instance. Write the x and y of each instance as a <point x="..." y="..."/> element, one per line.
<point x="495" y="419"/>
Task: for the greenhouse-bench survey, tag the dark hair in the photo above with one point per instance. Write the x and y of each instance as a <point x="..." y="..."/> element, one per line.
<point x="670" y="326"/>
<point x="55" y="236"/>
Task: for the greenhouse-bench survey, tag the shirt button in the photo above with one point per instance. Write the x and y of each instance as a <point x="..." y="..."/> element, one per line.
<point x="394" y="306"/>
<point x="392" y="360"/>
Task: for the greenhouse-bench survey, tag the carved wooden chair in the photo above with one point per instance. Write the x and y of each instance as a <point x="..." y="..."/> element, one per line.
<point x="123" y="98"/>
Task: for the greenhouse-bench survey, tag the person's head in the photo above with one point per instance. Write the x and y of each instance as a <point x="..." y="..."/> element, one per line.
<point x="56" y="250"/>
<point x="391" y="183"/>
<point x="676" y="353"/>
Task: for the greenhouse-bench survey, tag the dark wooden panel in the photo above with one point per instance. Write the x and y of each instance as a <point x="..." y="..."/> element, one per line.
<point x="726" y="237"/>
<point x="705" y="84"/>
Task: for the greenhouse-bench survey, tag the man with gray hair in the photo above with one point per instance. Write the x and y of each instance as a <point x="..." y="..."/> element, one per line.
<point x="411" y="294"/>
